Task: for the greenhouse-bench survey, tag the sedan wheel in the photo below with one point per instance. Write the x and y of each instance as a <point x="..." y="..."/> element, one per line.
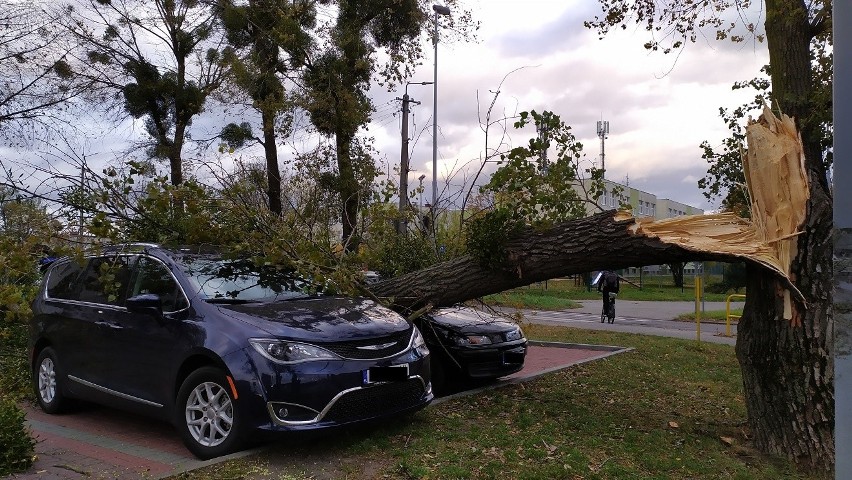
<point x="207" y="414"/>
<point x="47" y="387"/>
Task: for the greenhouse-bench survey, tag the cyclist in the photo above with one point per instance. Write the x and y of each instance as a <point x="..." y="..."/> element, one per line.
<point x="608" y="283"/>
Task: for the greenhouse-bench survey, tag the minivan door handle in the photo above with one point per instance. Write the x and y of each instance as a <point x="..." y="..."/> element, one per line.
<point x="112" y="325"/>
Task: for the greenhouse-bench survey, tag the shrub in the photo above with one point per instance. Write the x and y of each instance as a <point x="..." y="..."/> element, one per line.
<point x="14" y="373"/>
<point x="16" y="444"/>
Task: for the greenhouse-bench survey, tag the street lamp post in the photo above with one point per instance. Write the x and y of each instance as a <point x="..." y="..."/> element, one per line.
<point x="439" y="10"/>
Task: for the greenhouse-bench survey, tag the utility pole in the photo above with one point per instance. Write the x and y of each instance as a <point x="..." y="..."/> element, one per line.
<point x="402" y="226"/>
<point x="603" y="131"/>
<point x="82" y="194"/>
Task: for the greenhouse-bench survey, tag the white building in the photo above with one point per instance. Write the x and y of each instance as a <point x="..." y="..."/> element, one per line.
<point x="643" y="204"/>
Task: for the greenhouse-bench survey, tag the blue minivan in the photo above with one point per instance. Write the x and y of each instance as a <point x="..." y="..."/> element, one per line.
<point x="220" y="347"/>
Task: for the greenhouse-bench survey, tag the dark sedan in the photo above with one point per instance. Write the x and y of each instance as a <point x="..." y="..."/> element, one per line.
<point x="220" y="347"/>
<point x="469" y="345"/>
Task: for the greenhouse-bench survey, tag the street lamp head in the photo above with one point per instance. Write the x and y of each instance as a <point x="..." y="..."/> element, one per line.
<point x="421" y="177"/>
<point x="415" y="83"/>
<point x="441" y="9"/>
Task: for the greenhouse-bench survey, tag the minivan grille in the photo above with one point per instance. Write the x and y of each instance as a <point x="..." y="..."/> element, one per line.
<point x="376" y="401"/>
<point x="372" y="348"/>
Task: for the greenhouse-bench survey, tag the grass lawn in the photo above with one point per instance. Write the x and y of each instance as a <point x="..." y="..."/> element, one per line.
<point x="713" y="316"/>
<point x="559" y="294"/>
<point x="670" y="409"/>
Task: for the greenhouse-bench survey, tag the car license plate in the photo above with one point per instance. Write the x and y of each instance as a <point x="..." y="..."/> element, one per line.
<point x="393" y="373"/>
<point x="513" y="356"/>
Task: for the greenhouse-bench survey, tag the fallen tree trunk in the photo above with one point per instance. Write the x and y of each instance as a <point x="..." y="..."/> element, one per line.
<point x="609" y="240"/>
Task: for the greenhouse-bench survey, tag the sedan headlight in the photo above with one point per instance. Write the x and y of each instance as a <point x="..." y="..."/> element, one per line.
<point x="515" y="334"/>
<point x="290" y="352"/>
<point x="465" y="340"/>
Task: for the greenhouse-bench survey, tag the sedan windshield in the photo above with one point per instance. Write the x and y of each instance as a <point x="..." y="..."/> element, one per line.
<point x="239" y="281"/>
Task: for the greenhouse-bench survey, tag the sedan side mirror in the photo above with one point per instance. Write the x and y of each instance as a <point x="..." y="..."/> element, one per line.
<point x="146" y="303"/>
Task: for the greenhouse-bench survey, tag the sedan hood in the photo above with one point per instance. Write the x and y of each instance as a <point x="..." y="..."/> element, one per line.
<point x="470" y="321"/>
<point x="320" y="319"/>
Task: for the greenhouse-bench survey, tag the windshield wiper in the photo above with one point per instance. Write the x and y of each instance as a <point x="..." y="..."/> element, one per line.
<point x="229" y="301"/>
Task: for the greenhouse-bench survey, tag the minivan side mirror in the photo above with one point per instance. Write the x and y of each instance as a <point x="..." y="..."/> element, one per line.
<point x="146" y="303"/>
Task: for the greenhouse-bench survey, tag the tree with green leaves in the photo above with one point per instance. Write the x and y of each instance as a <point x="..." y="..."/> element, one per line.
<point x="262" y="32"/>
<point x="541" y="189"/>
<point x="28" y="234"/>
<point x="336" y="80"/>
<point x="725" y="178"/>
<point x="533" y="188"/>
<point x="787" y="366"/>
<point x="157" y="61"/>
<point x="35" y="77"/>
<point x="336" y="84"/>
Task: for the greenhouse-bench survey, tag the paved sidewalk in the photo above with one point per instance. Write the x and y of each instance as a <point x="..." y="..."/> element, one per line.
<point x="653" y="310"/>
<point x="100" y="443"/>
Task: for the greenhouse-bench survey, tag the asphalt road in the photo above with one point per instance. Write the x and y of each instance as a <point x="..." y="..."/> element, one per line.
<point x="647" y="318"/>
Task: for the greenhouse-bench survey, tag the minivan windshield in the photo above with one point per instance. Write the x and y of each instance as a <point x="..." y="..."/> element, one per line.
<point x="239" y="281"/>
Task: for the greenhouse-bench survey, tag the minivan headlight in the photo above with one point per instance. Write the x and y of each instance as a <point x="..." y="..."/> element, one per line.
<point x="290" y="352"/>
<point x="418" y="343"/>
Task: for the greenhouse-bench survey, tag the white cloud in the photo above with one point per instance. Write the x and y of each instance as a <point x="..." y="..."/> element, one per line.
<point x="660" y="107"/>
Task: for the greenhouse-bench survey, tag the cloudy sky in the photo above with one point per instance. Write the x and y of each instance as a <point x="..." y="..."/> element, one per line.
<point x="659" y="107"/>
<point x="540" y="57"/>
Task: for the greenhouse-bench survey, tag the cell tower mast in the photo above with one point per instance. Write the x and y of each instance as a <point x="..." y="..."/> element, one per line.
<point x="603" y="131"/>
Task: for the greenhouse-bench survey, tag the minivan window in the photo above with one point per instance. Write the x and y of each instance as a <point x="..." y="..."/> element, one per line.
<point x="62" y="280"/>
<point x="105" y="280"/>
<point x="153" y="277"/>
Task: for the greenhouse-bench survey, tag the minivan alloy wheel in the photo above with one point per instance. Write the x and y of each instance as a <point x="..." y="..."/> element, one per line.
<point x="209" y="414"/>
<point x="47" y="380"/>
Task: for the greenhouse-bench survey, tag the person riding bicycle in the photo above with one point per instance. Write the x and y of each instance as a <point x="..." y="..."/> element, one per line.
<point x="608" y="283"/>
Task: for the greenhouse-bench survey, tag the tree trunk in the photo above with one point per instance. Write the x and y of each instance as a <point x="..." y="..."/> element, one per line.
<point x="787" y="369"/>
<point x="677" y="273"/>
<point x="348" y="189"/>
<point x="273" y="174"/>
<point x="592" y="243"/>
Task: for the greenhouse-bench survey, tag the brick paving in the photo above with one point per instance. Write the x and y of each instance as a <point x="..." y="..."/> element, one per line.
<point x="98" y="443"/>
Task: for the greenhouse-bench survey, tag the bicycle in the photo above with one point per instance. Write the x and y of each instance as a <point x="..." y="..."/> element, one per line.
<point x="610" y="316"/>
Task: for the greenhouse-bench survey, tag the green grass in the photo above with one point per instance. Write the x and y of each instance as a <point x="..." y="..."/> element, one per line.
<point x="716" y="316"/>
<point x="658" y="412"/>
<point x="559" y="294"/>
